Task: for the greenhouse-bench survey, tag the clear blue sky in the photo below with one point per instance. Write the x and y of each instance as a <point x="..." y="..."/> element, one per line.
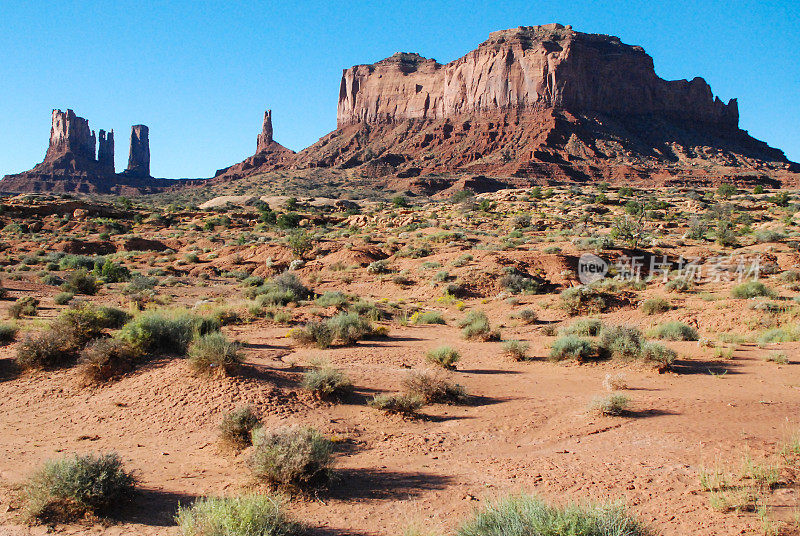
<point x="201" y="73"/>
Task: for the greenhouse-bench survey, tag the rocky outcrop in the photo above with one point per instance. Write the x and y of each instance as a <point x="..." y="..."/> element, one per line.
<point x="139" y="155"/>
<point x="270" y="155"/>
<point x="538" y="104"/>
<point x="105" y="151"/>
<point x="529" y="68"/>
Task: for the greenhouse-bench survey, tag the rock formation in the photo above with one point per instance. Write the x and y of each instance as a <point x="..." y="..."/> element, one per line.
<point x="105" y="151"/>
<point x="270" y="155"/>
<point x="139" y="155"/>
<point x="537" y="103"/>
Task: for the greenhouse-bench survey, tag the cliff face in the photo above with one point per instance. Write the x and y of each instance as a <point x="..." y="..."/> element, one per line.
<point x="529" y="69"/>
<point x="139" y="153"/>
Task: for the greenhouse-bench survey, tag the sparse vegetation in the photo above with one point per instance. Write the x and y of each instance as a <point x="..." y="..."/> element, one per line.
<point x="444" y="356"/>
<point x="237" y="427"/>
<point x="248" y="515"/>
<point x="293" y="456"/>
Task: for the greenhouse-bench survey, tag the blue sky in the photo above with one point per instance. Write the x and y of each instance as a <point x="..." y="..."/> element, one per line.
<point x="201" y="73"/>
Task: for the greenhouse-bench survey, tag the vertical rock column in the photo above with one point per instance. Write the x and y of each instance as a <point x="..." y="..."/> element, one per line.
<point x="265" y="138"/>
<point x="105" y="151"/>
<point x="70" y="134"/>
<point x="139" y="156"/>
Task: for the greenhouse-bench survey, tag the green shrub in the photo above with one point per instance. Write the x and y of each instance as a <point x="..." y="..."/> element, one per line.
<point x="237" y="426"/>
<point x="165" y="331"/>
<point x="579" y="300"/>
<point x="52" y="280"/>
<point x="85" y="321"/>
<point x="74" y="262"/>
<point x="214" y="353"/>
<point x="349" y="327"/>
<point x="249" y="515"/>
<point x="675" y="331"/>
<point x="654" y="306"/>
<point x="475" y="325"/>
<point x="679" y="284"/>
<point x="751" y="289"/>
<point x="111" y="272"/>
<point x="658" y="354"/>
<point x="621" y="341"/>
<point x="27" y="306"/>
<point x="327" y="382"/>
<point x="428" y="317"/>
<point x="47" y="349"/>
<point x="517" y="350"/>
<point x="280" y="290"/>
<point x="526" y="515"/>
<point x="432" y="387"/>
<point x="571" y="347"/>
<point x="291" y="456"/>
<point x="403" y="404"/>
<point x="527" y="316"/>
<point x="63" y="298"/>
<point x="104" y="359"/>
<point x="314" y="333"/>
<point x="66" y="489"/>
<point x="444" y="356"/>
<point x="7" y="334"/>
<point x="336" y="299"/>
<point x="612" y="405"/>
<point x="378" y="267"/>
<point x="80" y="282"/>
<point x="582" y="327"/>
<point x="784" y="334"/>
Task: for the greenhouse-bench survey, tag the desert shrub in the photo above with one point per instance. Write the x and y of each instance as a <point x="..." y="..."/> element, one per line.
<point x="658" y="354"/>
<point x="80" y="282"/>
<point x="427" y="317"/>
<point x="432" y="387"/>
<point x="577" y="300"/>
<point x="517" y="350"/>
<point x="751" y="289"/>
<point x="583" y="327"/>
<point x="679" y="284"/>
<point x="378" y="267"/>
<point x="74" y="262"/>
<point x="237" y="426"/>
<point x="349" y="327"/>
<point x="140" y="283"/>
<point x="621" y="341"/>
<point x="47" y="349"/>
<point x="654" y="306"/>
<point x="611" y="405"/>
<point x="291" y="456"/>
<point x="404" y="404"/>
<point x="63" y="298"/>
<point x="7" y="334"/>
<point x="675" y="331"/>
<point x="615" y="382"/>
<point x="516" y="283"/>
<point x="526" y="515"/>
<point x="768" y="235"/>
<point x="475" y="325"/>
<point x="104" y="359"/>
<point x="280" y="290"/>
<point x="85" y="321"/>
<point x="444" y="356"/>
<point x="326" y="381"/>
<point x="51" y="280"/>
<point x="27" y="306"/>
<point x="784" y="334"/>
<point x="66" y="489"/>
<point x="249" y="515"/>
<point x="571" y="347"/>
<point x="333" y="299"/>
<point x="314" y="333"/>
<point x="111" y="272"/>
<point x="300" y="242"/>
<point x="527" y="316"/>
<point x="165" y="331"/>
<point x="214" y="353"/>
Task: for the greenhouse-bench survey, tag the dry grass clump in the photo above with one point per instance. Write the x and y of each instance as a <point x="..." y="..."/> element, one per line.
<point x="405" y="404"/>
<point x="444" y="356"/>
<point x="237" y="426"/>
<point x="572" y="347"/>
<point x="475" y="325"/>
<point x="213" y="353"/>
<point x="612" y="405"/>
<point x="327" y="382"/>
<point x="432" y="386"/>
<point x="516" y="350"/>
<point x="292" y="457"/>
<point x="248" y="515"/>
<point x="104" y="359"/>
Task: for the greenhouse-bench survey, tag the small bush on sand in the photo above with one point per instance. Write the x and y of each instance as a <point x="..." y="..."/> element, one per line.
<point x="66" y="489"/>
<point x="675" y="331"/>
<point x="615" y="382"/>
<point x="293" y="456"/>
<point x="80" y="282"/>
<point x="7" y="334"/>
<point x="237" y="427"/>
<point x="621" y="341"/>
<point x="751" y="289"/>
<point x="427" y="317"/>
<point x="213" y="353"/>
<point x="475" y="325"/>
<point x="249" y="515"/>
<point x="403" y="404"/>
<point x="517" y="350"/>
<point x="314" y="333"/>
<point x="658" y="354"/>
<point x="105" y="359"/>
<point x="85" y="321"/>
<point x="432" y="387"/>
<point x="349" y="327"/>
<point x="280" y="290"/>
<point x="528" y="515"/>
<point x="571" y="347"/>
<point x="165" y="331"/>
<point x="63" y="298"/>
<point x="527" y="316"/>
<point x="582" y="327"/>
<point x="444" y="356"/>
<point x="336" y="299"/>
<point x="326" y="381"/>
<point x="612" y="405"/>
<point x="47" y="349"/>
<point x="653" y="306"/>
<point x="578" y="300"/>
<point x="27" y="306"/>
